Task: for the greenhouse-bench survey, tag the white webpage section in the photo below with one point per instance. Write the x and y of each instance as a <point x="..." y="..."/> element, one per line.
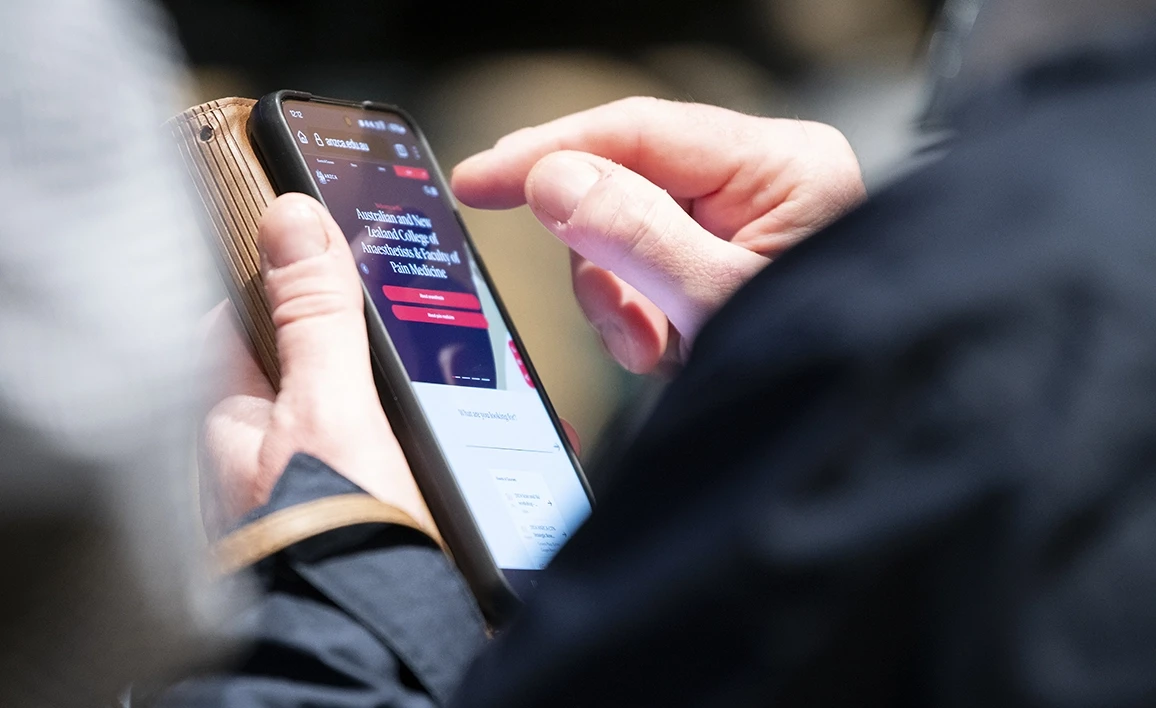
<point x="511" y="467"/>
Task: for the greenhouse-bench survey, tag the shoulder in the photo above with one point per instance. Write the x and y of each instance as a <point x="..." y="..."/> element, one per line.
<point x="1005" y="292"/>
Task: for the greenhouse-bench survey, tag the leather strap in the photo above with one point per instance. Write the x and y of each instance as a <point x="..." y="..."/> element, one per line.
<point x="281" y="529"/>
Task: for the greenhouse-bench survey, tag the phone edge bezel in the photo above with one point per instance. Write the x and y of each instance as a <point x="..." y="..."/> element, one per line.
<point x="277" y="150"/>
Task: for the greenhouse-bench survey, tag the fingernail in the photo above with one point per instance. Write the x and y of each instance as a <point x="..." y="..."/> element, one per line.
<point x="296" y="233"/>
<point x="616" y="342"/>
<point x="560" y="183"/>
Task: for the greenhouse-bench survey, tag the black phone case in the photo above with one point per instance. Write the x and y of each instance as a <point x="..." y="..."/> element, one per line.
<point x="288" y="171"/>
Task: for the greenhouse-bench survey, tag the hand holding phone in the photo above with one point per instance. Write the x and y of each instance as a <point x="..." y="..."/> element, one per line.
<point x="484" y="444"/>
<point x="327" y="406"/>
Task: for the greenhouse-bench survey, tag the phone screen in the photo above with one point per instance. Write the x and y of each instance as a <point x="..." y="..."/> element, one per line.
<point x="466" y="370"/>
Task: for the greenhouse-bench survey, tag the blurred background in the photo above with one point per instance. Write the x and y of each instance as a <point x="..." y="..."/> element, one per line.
<point x="472" y="72"/>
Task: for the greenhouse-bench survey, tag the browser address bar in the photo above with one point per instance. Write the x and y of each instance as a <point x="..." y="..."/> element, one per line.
<point x="332" y="142"/>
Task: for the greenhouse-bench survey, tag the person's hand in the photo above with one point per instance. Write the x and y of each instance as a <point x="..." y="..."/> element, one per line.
<point x="668" y="208"/>
<point x="327" y="406"/>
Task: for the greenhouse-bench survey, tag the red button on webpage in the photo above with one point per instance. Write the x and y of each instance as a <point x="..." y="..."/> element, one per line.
<point x="411" y="172"/>
<point x="465" y="301"/>
<point x="476" y="320"/>
<point x="521" y="365"/>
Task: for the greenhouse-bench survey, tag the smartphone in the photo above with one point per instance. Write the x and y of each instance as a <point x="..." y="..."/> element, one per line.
<point x="484" y="443"/>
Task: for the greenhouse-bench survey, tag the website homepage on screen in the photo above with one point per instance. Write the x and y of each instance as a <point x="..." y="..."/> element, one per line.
<point x="467" y="371"/>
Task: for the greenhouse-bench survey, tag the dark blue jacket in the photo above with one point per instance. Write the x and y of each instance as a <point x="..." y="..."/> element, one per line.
<point x="913" y="463"/>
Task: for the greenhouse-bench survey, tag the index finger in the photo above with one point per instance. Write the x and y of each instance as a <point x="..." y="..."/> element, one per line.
<point x="691" y="150"/>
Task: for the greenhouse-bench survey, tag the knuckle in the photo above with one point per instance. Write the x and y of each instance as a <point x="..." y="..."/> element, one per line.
<point x="309" y="298"/>
<point x="644" y="224"/>
<point x="211" y="429"/>
<point x="830" y="157"/>
<point x="638" y="113"/>
<point x="309" y="306"/>
<point x="636" y="105"/>
<point x="627" y="214"/>
<point x="831" y="144"/>
<point x="635" y="113"/>
<point x="516" y="137"/>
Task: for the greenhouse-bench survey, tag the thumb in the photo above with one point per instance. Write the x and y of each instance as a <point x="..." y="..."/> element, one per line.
<point x="624" y="223"/>
<point x="316" y="302"/>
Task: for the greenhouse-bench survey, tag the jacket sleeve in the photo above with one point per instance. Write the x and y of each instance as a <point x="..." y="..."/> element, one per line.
<point x="370" y="615"/>
<point x="909" y="464"/>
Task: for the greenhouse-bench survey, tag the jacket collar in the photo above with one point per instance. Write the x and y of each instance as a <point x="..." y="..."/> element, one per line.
<point x="980" y="70"/>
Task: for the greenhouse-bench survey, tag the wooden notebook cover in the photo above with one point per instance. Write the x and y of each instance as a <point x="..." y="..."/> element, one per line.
<point x="232" y="185"/>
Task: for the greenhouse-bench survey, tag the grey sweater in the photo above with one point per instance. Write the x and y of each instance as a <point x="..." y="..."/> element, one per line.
<point x="103" y="278"/>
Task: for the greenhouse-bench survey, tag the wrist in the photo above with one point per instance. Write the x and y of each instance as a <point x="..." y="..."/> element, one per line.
<point x="383" y="472"/>
<point x="312" y="498"/>
<point x="284" y="528"/>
